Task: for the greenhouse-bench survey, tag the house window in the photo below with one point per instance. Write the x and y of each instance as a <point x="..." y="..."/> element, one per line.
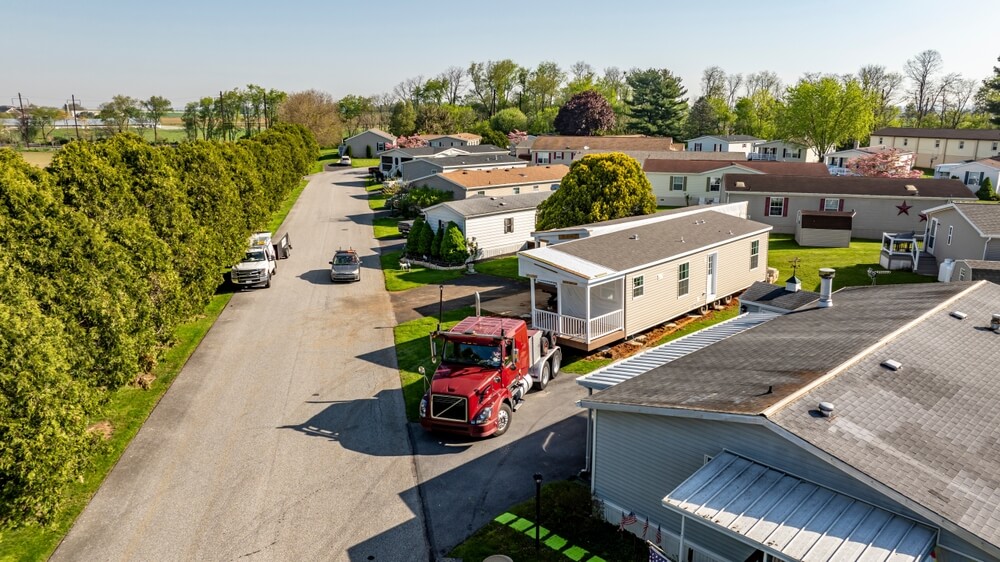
<point x="555" y="186"/>
<point x="754" y="254"/>
<point x="697" y="147"/>
<point x="480" y="193"/>
<point x="906" y="142"/>
<point x="683" y="273"/>
<point x="440" y="225"/>
<point x="637" y="286"/>
<point x="961" y="144"/>
<point x="995" y="146"/>
<point x="677" y="183"/>
<point x="961" y="274"/>
<point x="881" y="140"/>
<point x="950" y="231"/>
<point x="541" y="157"/>
<point x="534" y="188"/>
<point x="777" y="207"/>
<point x="937" y="143"/>
<point x="508" y="225"/>
<point x="831" y="205"/>
<point x="797" y="154"/>
<point x="379" y="146"/>
<point x="714" y="184"/>
<point x="517" y="190"/>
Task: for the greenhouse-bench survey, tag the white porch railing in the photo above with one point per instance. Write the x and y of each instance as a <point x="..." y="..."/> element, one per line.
<point x="545" y="320"/>
<point x="573" y="327"/>
<point x="901" y="245"/>
<point x="606" y="323"/>
<point x="763" y="156"/>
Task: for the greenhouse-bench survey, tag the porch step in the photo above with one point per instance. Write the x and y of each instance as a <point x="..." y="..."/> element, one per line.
<point x="928" y="265"/>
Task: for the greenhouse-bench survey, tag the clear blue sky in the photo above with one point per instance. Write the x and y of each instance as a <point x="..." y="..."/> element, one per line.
<point x="187" y="49"/>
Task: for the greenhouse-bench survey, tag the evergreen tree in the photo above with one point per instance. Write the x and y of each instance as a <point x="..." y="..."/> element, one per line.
<point x="986" y="192"/>
<point x="424" y="241"/>
<point x="413" y="238"/>
<point x="436" y="243"/>
<point x="453" y="248"/>
<point x="657" y="106"/>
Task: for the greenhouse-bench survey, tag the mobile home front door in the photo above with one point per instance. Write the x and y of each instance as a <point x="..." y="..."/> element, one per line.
<point x="710" y="268"/>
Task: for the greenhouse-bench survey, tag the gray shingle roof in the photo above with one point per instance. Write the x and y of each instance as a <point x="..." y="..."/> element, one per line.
<point x="471" y="160"/>
<point x="486" y="205"/>
<point x="658" y="241"/>
<point x="983" y="264"/>
<point x="630" y="219"/>
<point x="777" y="296"/>
<point x="984" y="216"/>
<point x="968" y="134"/>
<point x="846" y="185"/>
<point x="785" y="354"/>
<point x="931" y="430"/>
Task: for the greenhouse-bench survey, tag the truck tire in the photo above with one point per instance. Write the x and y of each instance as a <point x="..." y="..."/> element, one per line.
<point x="556" y="362"/>
<point x="544" y="377"/>
<point x="546" y="343"/>
<point x="503" y="419"/>
<point x="267" y="284"/>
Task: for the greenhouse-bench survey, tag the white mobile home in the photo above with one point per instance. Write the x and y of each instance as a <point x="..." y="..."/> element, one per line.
<point x="497" y="225"/>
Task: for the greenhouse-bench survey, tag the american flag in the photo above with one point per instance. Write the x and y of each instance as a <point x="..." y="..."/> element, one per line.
<point x="645" y="527"/>
<point x="659" y="537"/>
<point x="657" y="555"/>
<point x="627" y="520"/>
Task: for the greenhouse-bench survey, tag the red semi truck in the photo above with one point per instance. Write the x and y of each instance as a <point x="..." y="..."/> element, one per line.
<point x="487" y="367"/>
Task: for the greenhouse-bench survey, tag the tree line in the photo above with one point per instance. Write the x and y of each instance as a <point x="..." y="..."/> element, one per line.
<point x="105" y="253"/>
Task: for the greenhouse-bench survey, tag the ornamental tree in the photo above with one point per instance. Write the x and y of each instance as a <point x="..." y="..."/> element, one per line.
<point x="822" y="113"/>
<point x="598" y="187"/>
<point x="884" y="164"/>
<point x="515" y="136"/>
<point x="410" y="142"/>
<point x="585" y="114"/>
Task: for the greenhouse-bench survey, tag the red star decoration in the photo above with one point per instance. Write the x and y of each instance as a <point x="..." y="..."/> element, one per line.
<point x="904" y="209"/>
<point x="923" y="217"/>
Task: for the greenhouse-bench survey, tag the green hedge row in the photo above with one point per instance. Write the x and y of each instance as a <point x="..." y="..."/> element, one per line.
<point x="102" y="255"/>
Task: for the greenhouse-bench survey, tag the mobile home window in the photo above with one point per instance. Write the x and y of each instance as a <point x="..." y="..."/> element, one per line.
<point x="961" y="274"/>
<point x="508" y="225"/>
<point x="881" y="140"/>
<point x="517" y="190"/>
<point x="714" y="184"/>
<point x="950" y="230"/>
<point x="637" y="286"/>
<point x="937" y="143"/>
<point x="906" y="142"/>
<point x="542" y="157"/>
<point x="995" y="146"/>
<point x="480" y="193"/>
<point x="677" y="183"/>
<point x="754" y="254"/>
<point x="379" y="146"/>
<point x="777" y="207"/>
<point x="831" y="205"/>
<point x="697" y="147"/>
<point x="683" y="273"/>
<point x="961" y="144"/>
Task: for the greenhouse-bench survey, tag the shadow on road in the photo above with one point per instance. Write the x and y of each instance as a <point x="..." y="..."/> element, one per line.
<point x="458" y="500"/>
<point x="317" y="276"/>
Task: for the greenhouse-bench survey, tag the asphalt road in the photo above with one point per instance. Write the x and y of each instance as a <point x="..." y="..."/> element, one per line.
<point x="284" y="437"/>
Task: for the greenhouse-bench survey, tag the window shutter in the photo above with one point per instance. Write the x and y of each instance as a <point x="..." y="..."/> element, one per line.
<point x="708" y="183"/>
<point x="684" y="182"/>
<point x="841" y="206"/>
<point x="822" y="204"/>
<point x="966" y="178"/>
<point x="784" y="206"/>
<point x="767" y="206"/>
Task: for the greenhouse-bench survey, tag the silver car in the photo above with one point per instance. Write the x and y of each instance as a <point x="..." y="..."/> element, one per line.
<point x="345" y="266"/>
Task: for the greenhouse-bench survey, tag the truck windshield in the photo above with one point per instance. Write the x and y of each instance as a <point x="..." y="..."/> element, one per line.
<point x="254" y="255"/>
<point x="472" y="354"/>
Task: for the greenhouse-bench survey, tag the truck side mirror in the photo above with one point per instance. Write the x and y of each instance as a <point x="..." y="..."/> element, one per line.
<point x="513" y="356"/>
<point x="330" y="262"/>
<point x="433" y="350"/>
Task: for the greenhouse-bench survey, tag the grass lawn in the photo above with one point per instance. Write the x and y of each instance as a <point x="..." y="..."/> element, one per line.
<point x="364" y="162"/>
<point x="126" y="410"/>
<point x="413" y="350"/>
<point x="326" y="156"/>
<point x="376" y="199"/>
<point x="500" y="267"/>
<point x="851" y="263"/>
<point x="386" y="228"/>
<point x="580" y="365"/>
<point x="567" y="531"/>
<point x="399" y="280"/>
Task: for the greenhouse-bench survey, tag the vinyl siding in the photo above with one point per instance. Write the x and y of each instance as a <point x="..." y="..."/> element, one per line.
<point x="697" y="186"/>
<point x="419" y="168"/>
<point x="367" y="138"/>
<point x="660" y="302"/>
<point x="992" y="250"/>
<point x="489" y="233"/>
<point x="639" y="459"/>
<point x="927" y="156"/>
<point x="438" y="182"/>
<point x="823" y="238"/>
<point x="444" y="214"/>
<point x="966" y="243"/>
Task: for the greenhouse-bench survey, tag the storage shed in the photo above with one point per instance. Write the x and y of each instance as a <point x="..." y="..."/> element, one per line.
<point x="824" y="229"/>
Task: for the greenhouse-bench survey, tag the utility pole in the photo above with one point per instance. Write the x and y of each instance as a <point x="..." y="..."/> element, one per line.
<point x="24" y="121"/>
<point x="76" y="125"/>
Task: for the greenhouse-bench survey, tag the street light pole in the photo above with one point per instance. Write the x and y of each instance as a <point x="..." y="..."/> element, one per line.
<point x="538" y="508"/>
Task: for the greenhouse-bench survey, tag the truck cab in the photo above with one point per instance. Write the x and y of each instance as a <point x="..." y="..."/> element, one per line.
<point x="259" y="263"/>
<point x="487" y="367"/>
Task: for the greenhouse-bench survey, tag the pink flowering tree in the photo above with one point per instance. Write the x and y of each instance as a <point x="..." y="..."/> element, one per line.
<point x="516" y="136"/>
<point x="884" y="164"/>
<point x="410" y="142"/>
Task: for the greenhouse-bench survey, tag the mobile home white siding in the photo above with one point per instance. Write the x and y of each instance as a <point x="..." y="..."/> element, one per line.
<point x="489" y="232"/>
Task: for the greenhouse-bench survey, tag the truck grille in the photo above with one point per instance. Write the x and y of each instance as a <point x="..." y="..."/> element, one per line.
<point x="248" y="276"/>
<point x="445" y="407"/>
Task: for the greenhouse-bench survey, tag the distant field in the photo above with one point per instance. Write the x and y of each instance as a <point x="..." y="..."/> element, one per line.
<point x="40" y="159"/>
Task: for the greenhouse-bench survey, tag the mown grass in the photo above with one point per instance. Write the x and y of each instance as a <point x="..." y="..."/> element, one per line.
<point x="364" y="162"/>
<point x="566" y="512"/>
<point x="326" y="156"/>
<point x="386" y="228"/>
<point x="500" y="267"/>
<point x="413" y="351"/>
<point x="376" y="199"/>
<point x="851" y="263"/>
<point x="126" y="410"/>
<point x="399" y="280"/>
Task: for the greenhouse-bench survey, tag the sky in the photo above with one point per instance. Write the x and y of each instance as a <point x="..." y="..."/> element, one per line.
<point x="188" y="49"/>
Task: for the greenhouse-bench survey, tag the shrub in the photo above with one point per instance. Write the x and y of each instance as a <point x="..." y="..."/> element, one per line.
<point x="416" y="198"/>
<point x="424" y="240"/>
<point x="986" y="192"/>
<point x="453" y="248"/>
<point x="368" y="151"/>
<point x="349" y="151"/>
<point x="436" y="244"/>
<point x="413" y="238"/>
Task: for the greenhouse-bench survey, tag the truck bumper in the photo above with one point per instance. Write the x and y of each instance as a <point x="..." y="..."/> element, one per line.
<point x="460" y="428"/>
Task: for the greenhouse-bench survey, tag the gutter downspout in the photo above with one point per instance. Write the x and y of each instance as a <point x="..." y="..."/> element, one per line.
<point x="587" y="469"/>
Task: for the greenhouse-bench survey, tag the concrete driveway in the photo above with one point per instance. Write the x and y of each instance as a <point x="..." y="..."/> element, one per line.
<point x="284" y="437"/>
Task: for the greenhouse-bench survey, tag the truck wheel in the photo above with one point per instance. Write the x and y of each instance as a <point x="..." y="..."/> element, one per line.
<point x="543" y="378"/>
<point x="556" y="362"/>
<point x="546" y="344"/>
<point x="503" y="419"/>
<point x="267" y="284"/>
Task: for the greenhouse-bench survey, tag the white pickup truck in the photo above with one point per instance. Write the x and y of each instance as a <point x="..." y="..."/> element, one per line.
<point x="258" y="265"/>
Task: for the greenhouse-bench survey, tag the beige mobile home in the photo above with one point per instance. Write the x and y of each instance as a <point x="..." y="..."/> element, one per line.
<point x="368" y="144"/>
<point x="497" y="225"/>
<point x="696" y="182"/>
<point x="610" y="286"/>
<point x="940" y="146"/>
<point x="493" y="182"/>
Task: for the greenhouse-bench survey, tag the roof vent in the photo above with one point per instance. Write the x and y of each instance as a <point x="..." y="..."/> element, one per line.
<point x="995" y="323"/>
<point x="910" y="188"/>
<point x="634" y="237"/>
<point x="892" y="364"/>
<point x="493" y="198"/>
<point x="585" y="147"/>
<point x="959" y="314"/>
<point x="741" y="184"/>
<point x="826" y="409"/>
